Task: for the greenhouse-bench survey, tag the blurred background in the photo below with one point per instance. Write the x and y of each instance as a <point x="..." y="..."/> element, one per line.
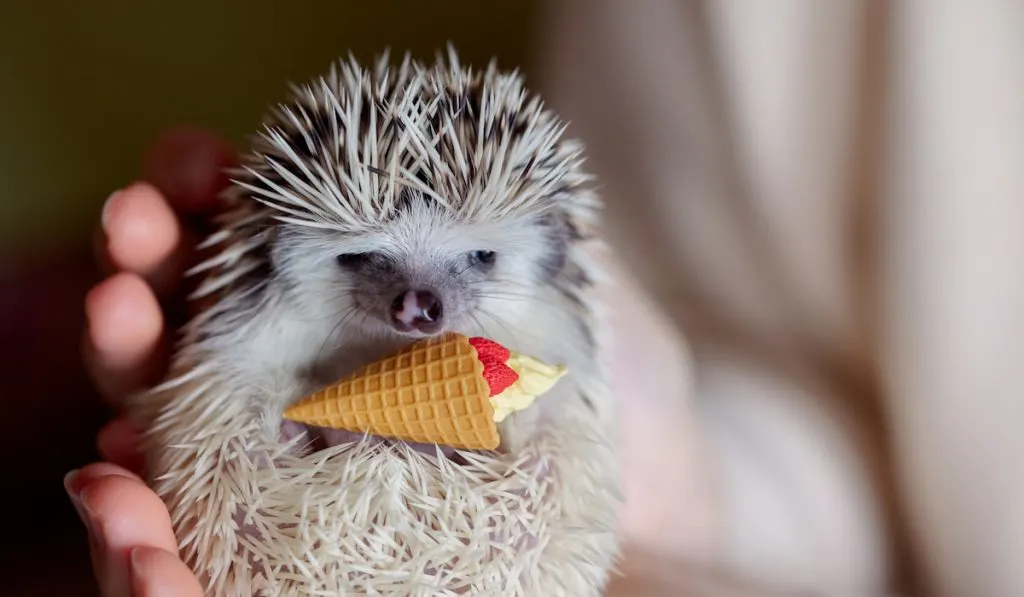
<point x="85" y="88"/>
<point x="823" y="197"/>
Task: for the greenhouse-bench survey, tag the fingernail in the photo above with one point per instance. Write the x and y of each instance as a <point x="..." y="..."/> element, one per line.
<point x="73" y="486"/>
<point x="133" y="567"/>
<point x="73" y="490"/>
<point x="136" y="573"/>
<point x="105" y="215"/>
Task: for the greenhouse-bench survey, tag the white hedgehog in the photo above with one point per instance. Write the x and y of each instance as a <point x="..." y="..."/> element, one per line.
<point x="442" y="185"/>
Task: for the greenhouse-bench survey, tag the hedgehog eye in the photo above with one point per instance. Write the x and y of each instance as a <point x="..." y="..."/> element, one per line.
<point x="353" y="260"/>
<point x="482" y="259"/>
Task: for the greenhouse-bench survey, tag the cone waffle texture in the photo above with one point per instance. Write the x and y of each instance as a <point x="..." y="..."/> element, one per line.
<point x="431" y="392"/>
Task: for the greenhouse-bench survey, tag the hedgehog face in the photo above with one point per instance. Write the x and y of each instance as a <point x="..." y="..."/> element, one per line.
<point x="402" y="203"/>
<point x="422" y="271"/>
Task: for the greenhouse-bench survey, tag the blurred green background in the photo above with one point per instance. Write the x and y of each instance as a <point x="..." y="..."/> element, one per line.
<point x="86" y="86"/>
<point x="85" y="89"/>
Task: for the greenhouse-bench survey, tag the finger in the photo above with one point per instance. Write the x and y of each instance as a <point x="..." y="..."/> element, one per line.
<point x="74" y="481"/>
<point x="99" y="250"/>
<point x="159" y="573"/>
<point x="118" y="443"/>
<point x="188" y="166"/>
<point x="77" y="480"/>
<point x="139" y="233"/>
<point x="121" y="514"/>
<point x="124" y="335"/>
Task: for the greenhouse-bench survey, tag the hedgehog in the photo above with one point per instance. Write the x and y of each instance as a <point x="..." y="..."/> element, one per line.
<point x="458" y="186"/>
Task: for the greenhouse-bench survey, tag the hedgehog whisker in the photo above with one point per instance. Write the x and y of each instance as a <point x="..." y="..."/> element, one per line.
<point x="359" y="324"/>
<point x="493" y="283"/>
<point x="311" y="319"/>
<point x="464" y="270"/>
<point x="341" y="293"/>
<point x="507" y="296"/>
<point x="503" y="282"/>
<point x="352" y="312"/>
<point x="329" y="297"/>
<point x="502" y="324"/>
<point x="501" y="293"/>
<point x="349" y="313"/>
<point x="479" y="326"/>
<point x="362" y="320"/>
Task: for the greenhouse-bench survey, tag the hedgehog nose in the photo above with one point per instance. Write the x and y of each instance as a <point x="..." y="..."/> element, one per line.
<point x="419" y="310"/>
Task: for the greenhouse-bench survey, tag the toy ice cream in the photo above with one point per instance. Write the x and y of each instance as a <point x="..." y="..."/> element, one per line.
<point x="451" y="391"/>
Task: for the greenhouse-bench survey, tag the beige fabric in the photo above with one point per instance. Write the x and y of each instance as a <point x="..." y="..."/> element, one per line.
<point x="826" y="199"/>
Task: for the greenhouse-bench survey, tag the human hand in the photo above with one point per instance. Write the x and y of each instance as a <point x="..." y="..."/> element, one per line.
<point x="144" y="246"/>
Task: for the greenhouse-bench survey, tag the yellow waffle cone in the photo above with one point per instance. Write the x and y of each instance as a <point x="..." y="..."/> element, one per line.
<point x="431" y="392"/>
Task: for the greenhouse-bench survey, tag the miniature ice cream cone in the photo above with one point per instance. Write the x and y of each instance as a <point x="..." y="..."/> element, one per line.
<point x="450" y="391"/>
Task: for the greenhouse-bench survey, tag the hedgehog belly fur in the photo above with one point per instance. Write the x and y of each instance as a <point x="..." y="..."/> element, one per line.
<point x="256" y="514"/>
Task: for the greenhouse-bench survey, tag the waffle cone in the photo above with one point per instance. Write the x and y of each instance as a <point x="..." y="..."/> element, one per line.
<point x="431" y="392"/>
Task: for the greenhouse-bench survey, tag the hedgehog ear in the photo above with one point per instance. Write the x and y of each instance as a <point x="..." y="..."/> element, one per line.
<point x="558" y="234"/>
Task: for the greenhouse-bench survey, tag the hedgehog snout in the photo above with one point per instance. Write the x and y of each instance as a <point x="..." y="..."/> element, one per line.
<point x="417" y="310"/>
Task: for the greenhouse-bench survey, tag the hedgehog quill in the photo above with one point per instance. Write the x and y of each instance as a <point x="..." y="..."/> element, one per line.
<point x="380" y="206"/>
